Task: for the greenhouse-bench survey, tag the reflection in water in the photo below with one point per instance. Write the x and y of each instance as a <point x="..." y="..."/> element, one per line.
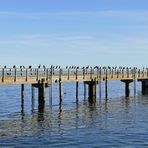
<point x="41" y="111"/>
<point x="81" y="124"/>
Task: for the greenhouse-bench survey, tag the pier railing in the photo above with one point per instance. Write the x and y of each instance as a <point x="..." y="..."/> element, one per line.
<point x="33" y="75"/>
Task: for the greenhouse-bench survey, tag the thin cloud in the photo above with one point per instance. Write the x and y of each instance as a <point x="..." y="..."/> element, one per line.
<point x="107" y="13"/>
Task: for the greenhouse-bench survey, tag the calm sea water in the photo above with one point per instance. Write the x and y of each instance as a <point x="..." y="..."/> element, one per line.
<point x="117" y="122"/>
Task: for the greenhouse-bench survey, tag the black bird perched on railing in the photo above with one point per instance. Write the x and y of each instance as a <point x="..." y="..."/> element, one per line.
<point x="5" y="66"/>
<point x="30" y="66"/>
<point x="14" y="66"/>
<point x="23" y="66"/>
<point x="44" y="66"/>
<point x="96" y="67"/>
<point x="39" y="66"/>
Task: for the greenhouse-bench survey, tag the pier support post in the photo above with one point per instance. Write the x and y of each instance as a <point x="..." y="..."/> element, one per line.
<point x="127" y="87"/>
<point x="92" y="91"/>
<point x="84" y="91"/>
<point x="41" y="93"/>
<point x="50" y="94"/>
<point x="100" y="89"/>
<point x="106" y="88"/>
<point x="144" y="87"/>
<point x="22" y="98"/>
<point x="77" y="87"/>
<point x="22" y="91"/>
<point x="32" y="89"/>
<point x="60" y="91"/>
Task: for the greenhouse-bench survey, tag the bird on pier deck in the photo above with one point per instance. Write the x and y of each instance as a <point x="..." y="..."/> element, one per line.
<point x="8" y="74"/>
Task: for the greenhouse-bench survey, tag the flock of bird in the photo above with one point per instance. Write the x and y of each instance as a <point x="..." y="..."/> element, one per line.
<point x="76" y="67"/>
<point x="86" y="69"/>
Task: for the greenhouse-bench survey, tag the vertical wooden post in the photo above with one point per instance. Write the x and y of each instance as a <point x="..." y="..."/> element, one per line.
<point x="106" y="86"/>
<point x="3" y="75"/>
<point x="134" y="72"/>
<point x="127" y="89"/>
<point x="84" y="90"/>
<point x="100" y="84"/>
<point x="50" y="88"/>
<point x="37" y="74"/>
<point x="68" y="73"/>
<point x="22" y="98"/>
<point x="92" y="91"/>
<point x="41" y="94"/>
<point x="26" y="74"/>
<point x="32" y="90"/>
<point x="22" y="91"/>
<point x="60" y="91"/>
<point x="97" y="73"/>
<point x="47" y="74"/>
<point x="77" y="87"/>
<point x="91" y="73"/>
<point x="76" y="73"/>
<point x="84" y="73"/>
<point x="15" y="75"/>
<point x="50" y="94"/>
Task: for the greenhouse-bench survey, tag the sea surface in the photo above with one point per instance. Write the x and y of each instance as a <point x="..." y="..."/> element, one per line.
<point x="115" y="122"/>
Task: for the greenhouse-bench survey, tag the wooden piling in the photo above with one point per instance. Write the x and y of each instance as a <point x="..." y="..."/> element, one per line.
<point x="22" y="91"/>
<point x="41" y="93"/>
<point x="3" y="75"/>
<point x="127" y="86"/>
<point x="15" y="75"/>
<point x="127" y="89"/>
<point x="32" y="91"/>
<point x="92" y="91"/>
<point x="106" y="85"/>
<point x="100" y="84"/>
<point x="100" y="89"/>
<point x="50" y="94"/>
<point x="77" y="87"/>
<point x="84" y="90"/>
<point x="106" y="88"/>
<point x="60" y="91"/>
<point x="22" y="98"/>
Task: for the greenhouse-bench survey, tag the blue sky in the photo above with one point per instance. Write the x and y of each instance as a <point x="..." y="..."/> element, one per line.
<point x="74" y="32"/>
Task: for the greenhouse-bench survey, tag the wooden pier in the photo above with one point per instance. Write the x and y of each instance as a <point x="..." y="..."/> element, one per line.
<point x="91" y="76"/>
